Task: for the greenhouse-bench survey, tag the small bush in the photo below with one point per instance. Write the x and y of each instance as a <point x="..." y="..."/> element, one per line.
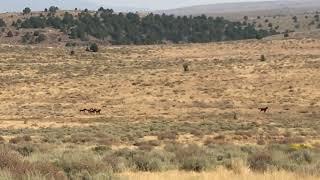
<point x="72" y="53"/>
<point x="26" y="38"/>
<point x="40" y="38"/>
<point x="117" y="164"/>
<point x="168" y="136"/>
<point x="301" y="157"/>
<point x="94" y="47"/>
<point x="26" y="10"/>
<point x="12" y="162"/>
<point x="70" y="44"/>
<point x="185" y="67"/>
<point x="262" y="58"/>
<point x="36" y="33"/>
<point x="260" y="161"/>
<point x="148" y="162"/>
<point x="293" y="140"/>
<point x="49" y="170"/>
<point x="194" y="163"/>
<point x="147" y="145"/>
<point x="10" y="34"/>
<point x="16" y="140"/>
<point x="261" y="141"/>
<point x="26" y="150"/>
<point x="27" y="138"/>
<point x="101" y="149"/>
<point x="2" y="23"/>
<point x="77" y="162"/>
<point x="80" y="138"/>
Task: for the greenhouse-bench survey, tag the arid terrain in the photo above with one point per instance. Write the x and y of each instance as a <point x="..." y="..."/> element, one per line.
<point x="155" y="116"/>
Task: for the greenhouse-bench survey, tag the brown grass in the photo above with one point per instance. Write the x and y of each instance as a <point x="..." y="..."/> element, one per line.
<point x="150" y="104"/>
<point x="220" y="174"/>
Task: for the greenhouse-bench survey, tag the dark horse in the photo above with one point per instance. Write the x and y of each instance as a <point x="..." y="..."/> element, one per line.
<point x="91" y="111"/>
<point x="264" y="109"/>
<point x="98" y="111"/>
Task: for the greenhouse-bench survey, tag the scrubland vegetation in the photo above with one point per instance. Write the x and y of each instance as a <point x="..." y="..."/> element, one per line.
<point x="167" y="111"/>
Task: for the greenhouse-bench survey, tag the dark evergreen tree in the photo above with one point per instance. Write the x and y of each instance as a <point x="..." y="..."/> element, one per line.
<point x="26" y="10"/>
<point x="2" y="23"/>
<point x="53" y="9"/>
<point x="94" y="47"/>
<point x="130" y="28"/>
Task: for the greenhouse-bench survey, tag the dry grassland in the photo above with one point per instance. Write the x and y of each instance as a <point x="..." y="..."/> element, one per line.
<point x="149" y="103"/>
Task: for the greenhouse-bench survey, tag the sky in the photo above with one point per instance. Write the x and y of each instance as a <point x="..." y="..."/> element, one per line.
<point x="122" y="5"/>
<point x="162" y="4"/>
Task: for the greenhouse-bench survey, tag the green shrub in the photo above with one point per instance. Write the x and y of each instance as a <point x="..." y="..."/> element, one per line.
<point x="2" y="23"/>
<point x="27" y="138"/>
<point x="75" y="162"/>
<point x="14" y="163"/>
<point x="260" y="161"/>
<point x="26" y="38"/>
<point x="117" y="164"/>
<point x="41" y="38"/>
<point x="167" y="136"/>
<point x="145" y="162"/>
<point x="26" y="150"/>
<point x="94" y="47"/>
<point x="301" y="157"/>
<point x="194" y="163"/>
<point x="26" y="10"/>
<point x="101" y="149"/>
<point x="71" y="44"/>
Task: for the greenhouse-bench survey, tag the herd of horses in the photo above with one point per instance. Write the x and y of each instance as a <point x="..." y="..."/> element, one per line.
<point x="98" y="111"/>
<point x="91" y="111"/>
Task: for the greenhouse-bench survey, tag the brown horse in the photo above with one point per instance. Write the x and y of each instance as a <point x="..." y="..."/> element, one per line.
<point x="91" y="110"/>
<point x="98" y="111"/>
<point x="264" y="109"/>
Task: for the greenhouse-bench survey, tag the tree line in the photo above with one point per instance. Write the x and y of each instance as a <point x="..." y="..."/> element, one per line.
<point x="131" y="28"/>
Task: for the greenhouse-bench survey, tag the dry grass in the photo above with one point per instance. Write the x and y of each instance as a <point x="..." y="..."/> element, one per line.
<point x="220" y="174"/>
<point x="152" y="111"/>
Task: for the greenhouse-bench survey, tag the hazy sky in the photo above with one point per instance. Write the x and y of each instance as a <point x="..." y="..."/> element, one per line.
<point x="131" y="5"/>
<point x="162" y="4"/>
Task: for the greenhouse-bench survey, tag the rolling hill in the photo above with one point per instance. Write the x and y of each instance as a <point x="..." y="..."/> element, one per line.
<point x="248" y="8"/>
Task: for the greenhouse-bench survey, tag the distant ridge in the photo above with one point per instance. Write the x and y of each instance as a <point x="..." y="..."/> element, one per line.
<point x="281" y="7"/>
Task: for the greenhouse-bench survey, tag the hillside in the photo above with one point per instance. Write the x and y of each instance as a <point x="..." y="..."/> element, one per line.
<point x="276" y="14"/>
<point x="264" y="8"/>
<point x="108" y="27"/>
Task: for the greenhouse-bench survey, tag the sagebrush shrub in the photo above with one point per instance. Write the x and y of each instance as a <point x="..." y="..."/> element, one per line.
<point x="260" y="161"/>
